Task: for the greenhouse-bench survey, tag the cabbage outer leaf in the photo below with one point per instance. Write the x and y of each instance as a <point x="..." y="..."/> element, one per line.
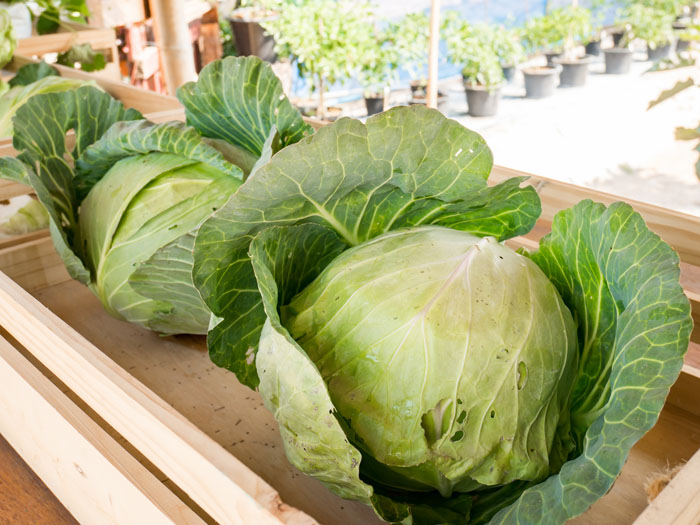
<point x="239" y="100"/>
<point x="405" y="167"/>
<point x="621" y="281"/>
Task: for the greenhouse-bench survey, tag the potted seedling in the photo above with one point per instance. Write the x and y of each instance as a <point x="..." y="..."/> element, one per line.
<point x="542" y="34"/>
<point x="506" y="44"/>
<point x="690" y="34"/>
<point x="577" y="22"/>
<point x="409" y="38"/>
<point x="655" y="27"/>
<point x="324" y="38"/>
<point x="378" y="62"/>
<point x="593" y="39"/>
<point x="472" y="48"/>
<point x="618" y="59"/>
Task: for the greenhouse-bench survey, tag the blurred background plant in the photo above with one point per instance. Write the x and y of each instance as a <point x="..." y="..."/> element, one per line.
<point x="409" y="37"/>
<point x="472" y="46"/>
<point x="324" y="38"/>
<point x="50" y="15"/>
<point x="650" y="23"/>
<point x="8" y="43"/>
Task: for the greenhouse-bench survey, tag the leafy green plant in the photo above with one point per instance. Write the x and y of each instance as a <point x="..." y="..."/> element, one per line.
<point x="228" y="42"/>
<point x="543" y="33"/>
<point x="506" y="44"/>
<point x="652" y="25"/>
<point x="125" y="206"/>
<point x="50" y="14"/>
<point x="378" y="61"/>
<point x="412" y="361"/>
<point x="472" y="47"/>
<point x="558" y="30"/>
<point x="325" y="38"/>
<point x="409" y="38"/>
<point x="82" y="56"/>
<point x="598" y="10"/>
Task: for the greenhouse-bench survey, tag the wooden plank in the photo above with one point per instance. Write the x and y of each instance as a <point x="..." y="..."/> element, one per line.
<point x="679" y="502"/>
<point x="24" y="498"/>
<point x="132" y="97"/>
<point x="40" y="45"/>
<point x="10" y="189"/>
<point x="95" y="478"/>
<point x="214" y="479"/>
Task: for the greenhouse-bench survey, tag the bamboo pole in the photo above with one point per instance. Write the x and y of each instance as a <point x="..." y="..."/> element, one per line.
<point x="433" y="54"/>
<point x="174" y="43"/>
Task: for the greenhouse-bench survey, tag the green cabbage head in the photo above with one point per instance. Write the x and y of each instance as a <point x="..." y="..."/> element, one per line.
<point x="126" y="201"/>
<point x="415" y="363"/>
<point x="449" y="356"/>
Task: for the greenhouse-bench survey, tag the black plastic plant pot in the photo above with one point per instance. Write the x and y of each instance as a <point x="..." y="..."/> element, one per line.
<point x="508" y="72"/>
<point x="593" y="48"/>
<point x="617" y="35"/>
<point x="374" y="104"/>
<point x="551" y="55"/>
<point x="682" y="46"/>
<point x="574" y="71"/>
<point x="482" y="101"/>
<point x="251" y="39"/>
<point x="659" y="52"/>
<point x="540" y="82"/>
<point x="618" y="60"/>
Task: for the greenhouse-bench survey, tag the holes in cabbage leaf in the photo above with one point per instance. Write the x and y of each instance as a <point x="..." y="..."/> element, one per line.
<point x="457" y="436"/>
<point x="462" y="417"/>
<point x="493" y="414"/>
<point x="436" y="421"/>
<point x="522" y="374"/>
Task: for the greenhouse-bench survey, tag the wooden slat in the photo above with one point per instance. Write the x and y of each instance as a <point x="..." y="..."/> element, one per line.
<point x="218" y="482"/>
<point x="94" y="477"/>
<point x="39" y="45"/>
<point x="10" y="189"/>
<point x="24" y="498"/>
<point x="679" y="502"/>
<point x="132" y="97"/>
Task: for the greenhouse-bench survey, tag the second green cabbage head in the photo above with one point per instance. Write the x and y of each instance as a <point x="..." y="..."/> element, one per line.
<point x="126" y="201"/>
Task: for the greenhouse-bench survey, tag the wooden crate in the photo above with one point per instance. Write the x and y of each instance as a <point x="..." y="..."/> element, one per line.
<point x="126" y="426"/>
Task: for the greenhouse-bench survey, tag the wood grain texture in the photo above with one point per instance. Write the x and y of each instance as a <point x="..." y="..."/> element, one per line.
<point x="23" y="496"/>
<point x="95" y="478"/>
<point x="679" y="502"/>
<point x="222" y="485"/>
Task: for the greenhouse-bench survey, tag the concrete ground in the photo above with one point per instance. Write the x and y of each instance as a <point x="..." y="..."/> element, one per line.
<point x="600" y="136"/>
